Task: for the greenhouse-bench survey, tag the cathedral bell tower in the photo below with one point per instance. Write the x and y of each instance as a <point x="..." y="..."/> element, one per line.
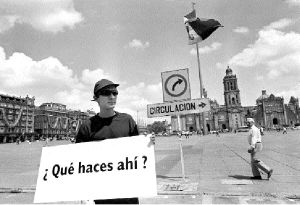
<point x="231" y="91"/>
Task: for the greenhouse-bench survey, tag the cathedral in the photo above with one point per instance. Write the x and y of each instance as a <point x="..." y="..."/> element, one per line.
<point x="269" y="112"/>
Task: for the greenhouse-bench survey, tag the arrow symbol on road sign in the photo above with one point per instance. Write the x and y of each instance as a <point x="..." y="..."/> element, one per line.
<point x="202" y="105"/>
<point x="179" y="81"/>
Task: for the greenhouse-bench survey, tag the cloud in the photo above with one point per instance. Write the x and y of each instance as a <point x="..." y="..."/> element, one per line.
<point x="295" y="91"/>
<point x="282" y="23"/>
<point x="51" y="81"/>
<point x="138" y="44"/>
<point x="46" y="79"/>
<point x="242" y="30"/>
<point x="293" y="2"/>
<point x="114" y="28"/>
<point x="47" y="15"/>
<point x="276" y="51"/>
<point x="136" y="98"/>
<point x="7" y="22"/>
<point x="207" y="49"/>
<point x="221" y="65"/>
<point x="260" y="77"/>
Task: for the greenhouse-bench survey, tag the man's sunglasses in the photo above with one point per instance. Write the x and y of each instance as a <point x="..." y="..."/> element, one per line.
<point x="108" y="93"/>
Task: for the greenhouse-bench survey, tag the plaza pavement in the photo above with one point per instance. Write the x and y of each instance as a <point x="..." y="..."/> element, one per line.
<point x="217" y="170"/>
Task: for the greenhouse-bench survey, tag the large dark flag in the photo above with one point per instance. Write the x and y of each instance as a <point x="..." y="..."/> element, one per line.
<point x="199" y="29"/>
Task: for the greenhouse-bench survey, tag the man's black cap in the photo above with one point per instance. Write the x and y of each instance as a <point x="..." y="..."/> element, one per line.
<point x="102" y="84"/>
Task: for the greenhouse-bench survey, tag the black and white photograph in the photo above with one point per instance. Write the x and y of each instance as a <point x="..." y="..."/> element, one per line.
<point x="149" y="102"/>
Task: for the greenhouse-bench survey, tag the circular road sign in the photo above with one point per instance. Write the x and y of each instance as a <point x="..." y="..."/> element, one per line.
<point x="176" y="85"/>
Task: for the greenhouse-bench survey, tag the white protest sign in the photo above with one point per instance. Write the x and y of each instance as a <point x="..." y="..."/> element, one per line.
<point x="114" y="168"/>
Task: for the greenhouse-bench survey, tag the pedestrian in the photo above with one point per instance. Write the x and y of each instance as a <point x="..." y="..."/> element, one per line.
<point x="18" y="141"/>
<point x="46" y="142"/>
<point x="255" y="149"/>
<point x="108" y="124"/>
<point x="261" y="129"/>
<point x="284" y="130"/>
<point x="186" y="133"/>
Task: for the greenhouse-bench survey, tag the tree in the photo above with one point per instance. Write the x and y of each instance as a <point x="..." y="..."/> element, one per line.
<point x="157" y="127"/>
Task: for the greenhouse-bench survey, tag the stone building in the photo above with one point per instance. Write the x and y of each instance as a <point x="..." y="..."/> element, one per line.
<point x="51" y="120"/>
<point x="54" y="120"/>
<point x="16" y="118"/>
<point x="271" y="111"/>
<point x="230" y="116"/>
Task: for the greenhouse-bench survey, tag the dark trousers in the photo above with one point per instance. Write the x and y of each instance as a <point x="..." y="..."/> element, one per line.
<point x="256" y="162"/>
<point x="118" y="201"/>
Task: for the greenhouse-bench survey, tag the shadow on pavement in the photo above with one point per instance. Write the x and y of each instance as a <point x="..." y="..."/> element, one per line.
<point x="240" y="177"/>
<point x="167" y="177"/>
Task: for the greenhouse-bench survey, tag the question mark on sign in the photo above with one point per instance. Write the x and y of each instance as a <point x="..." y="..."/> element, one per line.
<point x="45" y="177"/>
<point x="145" y="159"/>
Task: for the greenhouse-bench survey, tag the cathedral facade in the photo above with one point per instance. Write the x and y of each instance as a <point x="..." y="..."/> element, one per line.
<point x="231" y="115"/>
<point x="269" y="112"/>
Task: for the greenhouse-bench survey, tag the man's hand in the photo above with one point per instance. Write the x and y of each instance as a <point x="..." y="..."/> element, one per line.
<point x="152" y="139"/>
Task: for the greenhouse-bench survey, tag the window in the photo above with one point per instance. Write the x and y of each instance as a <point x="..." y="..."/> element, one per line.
<point x="233" y="100"/>
<point x="231" y="85"/>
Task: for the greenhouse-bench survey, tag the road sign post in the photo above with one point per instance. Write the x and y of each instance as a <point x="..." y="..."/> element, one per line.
<point x="177" y="101"/>
<point x="176" y="109"/>
<point x="180" y="147"/>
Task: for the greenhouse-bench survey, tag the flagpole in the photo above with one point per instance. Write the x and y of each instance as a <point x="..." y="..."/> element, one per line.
<point x="199" y="69"/>
<point x="202" y="115"/>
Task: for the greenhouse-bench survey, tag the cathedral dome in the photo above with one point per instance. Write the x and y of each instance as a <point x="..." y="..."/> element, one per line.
<point x="293" y="100"/>
<point x="263" y="95"/>
<point x="228" y="71"/>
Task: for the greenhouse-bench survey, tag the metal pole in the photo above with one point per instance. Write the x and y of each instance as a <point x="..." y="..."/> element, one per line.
<point x="202" y="115"/>
<point x="264" y="112"/>
<point x="199" y="69"/>
<point x="26" y="128"/>
<point x="180" y="146"/>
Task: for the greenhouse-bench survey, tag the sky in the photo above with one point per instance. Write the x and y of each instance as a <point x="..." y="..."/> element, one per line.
<point x="56" y="50"/>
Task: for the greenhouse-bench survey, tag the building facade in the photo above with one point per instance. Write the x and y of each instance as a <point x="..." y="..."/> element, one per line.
<point x="271" y="111"/>
<point x="16" y="118"/>
<point x="51" y="120"/>
<point x="54" y="120"/>
<point x="21" y="120"/>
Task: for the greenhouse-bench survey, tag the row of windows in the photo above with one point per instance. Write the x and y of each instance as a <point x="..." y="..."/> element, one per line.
<point x="10" y="117"/>
<point x="11" y="130"/>
<point x="53" y="132"/>
<point x="30" y="123"/>
<point x="233" y="100"/>
<point x="5" y="105"/>
<point x="230" y="85"/>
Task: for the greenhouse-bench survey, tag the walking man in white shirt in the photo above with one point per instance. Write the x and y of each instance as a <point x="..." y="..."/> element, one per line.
<point x="255" y="149"/>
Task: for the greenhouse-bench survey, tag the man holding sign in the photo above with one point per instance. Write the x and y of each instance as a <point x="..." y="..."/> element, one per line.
<point x="108" y="124"/>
